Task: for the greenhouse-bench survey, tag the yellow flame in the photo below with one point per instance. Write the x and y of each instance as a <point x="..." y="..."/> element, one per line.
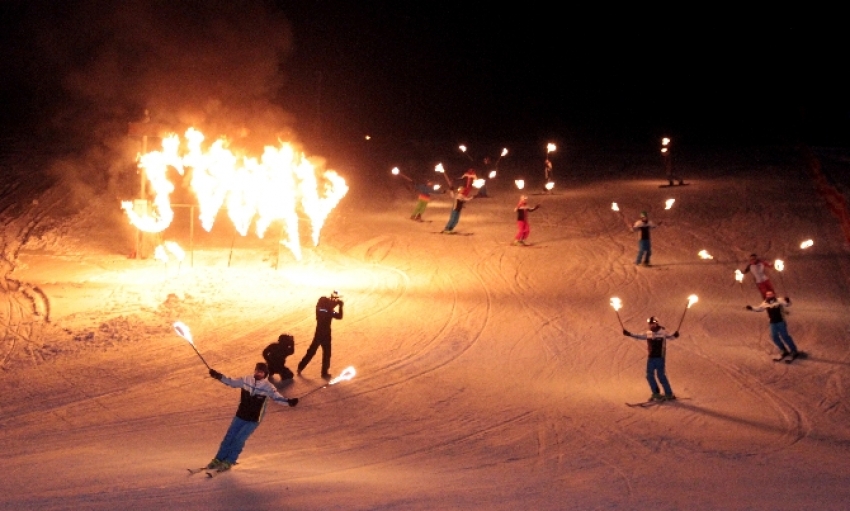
<point x="616" y="303"/>
<point x="663" y="150"/>
<point x="395" y="171"/>
<point x="520" y="183"/>
<point x="739" y="276"/>
<point x="492" y="174"/>
<point x="504" y="151"/>
<point x="779" y="265"/>
<point x="806" y="244"/>
<point x="254" y="190"/>
<point x="615" y="207"/>
<point x="550" y="148"/>
<point x="439" y="168"/>
<point x="665" y="141"/>
<point x="692" y="300"/>
<point x="462" y="148"/>
<point x="550" y="185"/>
<point x="183" y="331"/>
<point x="669" y="203"/>
<point x="346" y="374"/>
<point x="705" y="255"/>
<point x="478" y="183"/>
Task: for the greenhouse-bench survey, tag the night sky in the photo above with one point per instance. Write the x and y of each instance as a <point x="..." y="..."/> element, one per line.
<point x="331" y="72"/>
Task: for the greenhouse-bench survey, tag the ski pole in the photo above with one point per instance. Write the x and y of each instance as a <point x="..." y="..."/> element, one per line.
<point x="183" y="331"/>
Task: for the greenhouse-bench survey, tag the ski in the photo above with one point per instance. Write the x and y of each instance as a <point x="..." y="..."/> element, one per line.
<point x="213" y="473"/>
<point x="645" y="404"/>
<point x="193" y="471"/>
<point x="673" y="186"/>
<point x="781" y="358"/>
<point x="453" y="233"/>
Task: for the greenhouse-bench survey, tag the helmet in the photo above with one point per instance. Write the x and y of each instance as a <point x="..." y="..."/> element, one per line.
<point x="261" y="366"/>
<point x="652" y="319"/>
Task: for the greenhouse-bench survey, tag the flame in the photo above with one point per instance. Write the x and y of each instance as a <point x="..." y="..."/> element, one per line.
<point x="615" y="207"/>
<point x="492" y="174"/>
<point x="395" y="171"/>
<point x="436" y="187"/>
<point x="616" y="303"/>
<point x="779" y="265"/>
<point x="253" y="190"/>
<point x="504" y="151"/>
<point x="439" y="168"/>
<point x="663" y="150"/>
<point x="806" y="244"/>
<point x="550" y="148"/>
<point x="739" y="276"/>
<point x="665" y="141"/>
<point x="478" y="183"/>
<point x="550" y="185"/>
<point x="183" y="331"/>
<point x="669" y="203"/>
<point x="346" y="374"/>
<point x="462" y="148"/>
<point x="175" y="250"/>
<point x="692" y="300"/>
<point x="160" y="254"/>
<point x="705" y="255"/>
<point x="520" y="183"/>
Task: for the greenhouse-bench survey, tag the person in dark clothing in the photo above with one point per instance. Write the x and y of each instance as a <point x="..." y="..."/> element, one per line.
<point x="643" y="226"/>
<point x="325" y="313"/>
<point x="454" y="217"/>
<point x="275" y="356"/>
<point x="252" y="406"/>
<point x="656" y="343"/>
<point x="778" y="329"/>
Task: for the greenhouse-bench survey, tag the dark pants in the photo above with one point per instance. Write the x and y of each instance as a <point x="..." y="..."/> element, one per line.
<point x="655" y="368"/>
<point x="325" y="343"/>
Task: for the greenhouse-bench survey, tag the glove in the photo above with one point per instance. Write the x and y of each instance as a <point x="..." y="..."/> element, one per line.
<point x="215" y="374"/>
<point x="626" y="332"/>
<point x="292" y="401"/>
<point x="787" y="300"/>
<point x="676" y="334"/>
<point x="749" y="307"/>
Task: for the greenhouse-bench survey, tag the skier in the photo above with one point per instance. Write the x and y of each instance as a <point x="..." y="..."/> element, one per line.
<point x="757" y="266"/>
<point x="643" y="225"/>
<point x="460" y="199"/>
<point x="252" y="405"/>
<point x="275" y="356"/>
<point x="425" y="191"/>
<point x="523" y="227"/>
<point x="778" y="328"/>
<point x="656" y="343"/>
<point x="325" y="313"/>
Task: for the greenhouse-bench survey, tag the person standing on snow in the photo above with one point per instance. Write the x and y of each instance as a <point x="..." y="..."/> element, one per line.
<point x="425" y="191"/>
<point x="256" y="390"/>
<point x="656" y="343"/>
<point x="469" y="177"/>
<point x="757" y="267"/>
<point x="643" y="226"/>
<point x="454" y="217"/>
<point x="275" y="356"/>
<point x="778" y="329"/>
<point x="523" y="227"/>
<point x="325" y="313"/>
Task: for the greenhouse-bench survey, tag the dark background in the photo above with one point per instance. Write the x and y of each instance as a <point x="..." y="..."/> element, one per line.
<point x="422" y="76"/>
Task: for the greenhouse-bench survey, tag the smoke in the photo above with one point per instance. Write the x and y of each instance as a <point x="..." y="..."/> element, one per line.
<point x="90" y="67"/>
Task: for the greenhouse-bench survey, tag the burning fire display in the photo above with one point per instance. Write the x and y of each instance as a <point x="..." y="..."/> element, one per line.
<point x="253" y="190"/>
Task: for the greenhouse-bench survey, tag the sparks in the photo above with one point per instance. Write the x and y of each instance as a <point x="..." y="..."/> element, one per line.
<point x="669" y="203"/>
<point x="806" y="244"/>
<point x="705" y="255"/>
<point x="616" y="303"/>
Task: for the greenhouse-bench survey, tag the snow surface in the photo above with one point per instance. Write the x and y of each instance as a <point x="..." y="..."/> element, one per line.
<point x="489" y="376"/>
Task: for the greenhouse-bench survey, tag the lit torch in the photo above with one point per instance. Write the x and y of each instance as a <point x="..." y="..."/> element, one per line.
<point x="779" y="265"/>
<point x="550" y="185"/>
<point x="520" y="183"/>
<point x="617" y="305"/>
<point x="615" y="207"/>
<point x="346" y="374"/>
<point x="691" y="300"/>
<point x="397" y="172"/>
<point x="463" y="150"/>
<point x="492" y="174"/>
<point x="703" y="254"/>
<point x="441" y="170"/>
<point x="806" y="244"/>
<point x="183" y="331"/>
<point x="669" y="203"/>
<point x="503" y="154"/>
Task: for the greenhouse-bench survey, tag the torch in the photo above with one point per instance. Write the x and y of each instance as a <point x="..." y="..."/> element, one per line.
<point x="691" y="300"/>
<point x="346" y="374"/>
<point x="397" y="172"/>
<point x="779" y="265"/>
<point x="669" y="203"/>
<point x="806" y="244"/>
<point x="739" y="276"/>
<point x="617" y="304"/>
<point x="441" y="170"/>
<point x="463" y="150"/>
<point x="520" y="183"/>
<point x="504" y="153"/>
<point x="183" y="331"/>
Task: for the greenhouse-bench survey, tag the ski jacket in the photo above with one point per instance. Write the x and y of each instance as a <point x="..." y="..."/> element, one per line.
<point x="522" y="211"/>
<point x="656" y="342"/>
<point x="644" y="228"/>
<point x="774" y="309"/>
<point x="424" y="191"/>
<point x="252" y="403"/>
<point x="757" y="270"/>
<point x="460" y="200"/>
<point x="325" y="313"/>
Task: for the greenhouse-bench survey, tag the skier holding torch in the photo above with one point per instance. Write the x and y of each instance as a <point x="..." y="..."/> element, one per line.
<point x="656" y="343"/>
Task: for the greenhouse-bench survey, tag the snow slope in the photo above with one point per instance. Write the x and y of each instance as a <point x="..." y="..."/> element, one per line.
<point x="489" y="376"/>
